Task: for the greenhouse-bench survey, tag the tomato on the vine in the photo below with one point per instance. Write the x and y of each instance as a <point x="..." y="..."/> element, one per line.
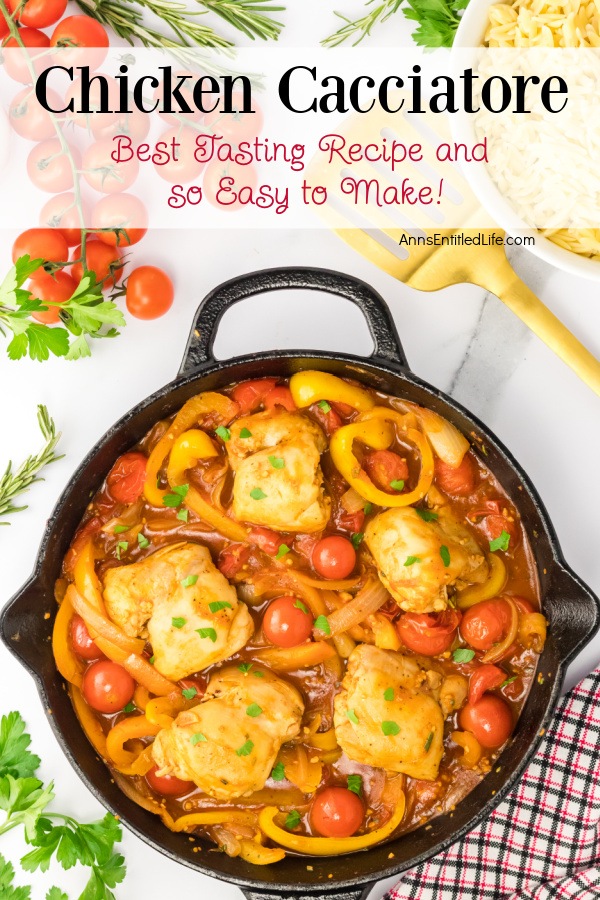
<point x="223" y="181"/>
<point x="236" y="126"/>
<point x="17" y="61"/>
<point x="124" y="212"/>
<point x="41" y="243"/>
<point x="61" y="213"/>
<point x="75" y="36"/>
<point x="51" y="168"/>
<point x="56" y="288"/>
<point x="95" y="94"/>
<point x="104" y="174"/>
<point x="183" y="167"/>
<point x="101" y="259"/>
<point x="37" y="13"/>
<point x="29" y="118"/>
<point x="149" y="293"/>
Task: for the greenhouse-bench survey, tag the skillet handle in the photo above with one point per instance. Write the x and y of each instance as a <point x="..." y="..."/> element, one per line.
<point x="199" y="350"/>
<point x="576" y="619"/>
<point x="357" y="893"/>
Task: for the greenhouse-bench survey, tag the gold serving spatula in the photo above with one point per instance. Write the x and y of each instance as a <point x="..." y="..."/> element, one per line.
<point x="375" y="232"/>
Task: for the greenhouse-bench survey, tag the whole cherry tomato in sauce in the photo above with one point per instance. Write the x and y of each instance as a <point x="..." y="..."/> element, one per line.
<point x="168" y="785"/>
<point x="336" y="812"/>
<point x="83" y="644"/>
<point x="268" y="541"/>
<point x="459" y="481"/>
<point x="428" y="633"/>
<point x="126" y="479"/>
<point x="334" y="557"/>
<point x="281" y="396"/>
<point x="250" y="394"/>
<point x="107" y="686"/>
<point x="386" y="469"/>
<point x="485" y="678"/>
<point x="490" y="720"/>
<point x="287" y="622"/>
<point x="486" y="623"/>
<point x="233" y="559"/>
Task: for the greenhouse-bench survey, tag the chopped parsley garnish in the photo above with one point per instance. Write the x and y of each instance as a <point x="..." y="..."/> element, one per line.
<point x="283" y="549"/>
<point x="258" y="674"/>
<point x="324" y="405"/>
<point x="322" y="624"/>
<point x="223" y="433"/>
<point x="445" y="554"/>
<point x="427" y="515"/>
<point x="209" y="633"/>
<point x="292" y="820"/>
<point x="368" y="509"/>
<point x="352" y="716"/>
<point x="245" y="667"/>
<point x="119" y="529"/>
<point x="151" y="660"/>
<point x="397" y="484"/>
<point x="355" y="784"/>
<point x="189" y="581"/>
<point x="177" y="496"/>
<point x="411" y="560"/>
<point x="428" y="742"/>
<point x="131" y="707"/>
<point x="277" y="462"/>
<point x="253" y="710"/>
<point x="189" y="693"/>
<point x="244" y="433"/>
<point x="246" y="749"/>
<point x="278" y="772"/>
<point x="142" y="541"/>
<point x="508" y="681"/>
<point x="217" y="605"/>
<point x="257" y="494"/>
<point x="183" y="514"/>
<point x="197" y="738"/>
<point x="463" y="655"/>
<point x="388" y="694"/>
<point x="501" y="542"/>
<point x="357" y="539"/>
<point x="178" y="622"/>
<point x="300" y="605"/>
<point x="122" y="545"/>
<point x="390" y="728"/>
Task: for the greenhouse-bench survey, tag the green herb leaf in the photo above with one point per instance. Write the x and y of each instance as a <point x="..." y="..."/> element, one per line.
<point x="278" y="772"/>
<point x="427" y="515"/>
<point x="142" y="541"/>
<point x="257" y="494"/>
<point x="428" y="742"/>
<point x="324" y="405"/>
<point x="223" y="433"/>
<point x="283" y="549"/>
<point x="258" y="674"/>
<point x="245" y="667"/>
<point x="357" y="539"/>
<point x="253" y="710"/>
<point x="501" y="542"/>
<point x="300" y="605"/>
<point x="8" y="891"/>
<point x="189" y="693"/>
<point x="217" y="605"/>
<point x="277" y="462"/>
<point x="122" y="546"/>
<point x="508" y="681"/>
<point x="388" y="694"/>
<point x="292" y="820"/>
<point x="56" y="894"/>
<point x="355" y="784"/>
<point x="445" y="554"/>
<point x="397" y="484"/>
<point x="390" y="728"/>
<point x="411" y="560"/>
<point x="131" y="707"/>
<point x="197" y="738"/>
<point x="183" y="514"/>
<point x="246" y="749"/>
<point x="119" y="529"/>
<point x="352" y="716"/>
<point x="244" y="433"/>
<point x="322" y="624"/>
<point x="189" y="580"/>
<point x="152" y="659"/>
<point x="463" y="655"/>
<point x="177" y="496"/>
<point x="178" y="622"/>
<point x="209" y="633"/>
<point x="368" y="509"/>
<point x="15" y="757"/>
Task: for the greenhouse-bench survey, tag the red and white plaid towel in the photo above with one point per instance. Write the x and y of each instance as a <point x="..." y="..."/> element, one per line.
<point x="543" y="841"/>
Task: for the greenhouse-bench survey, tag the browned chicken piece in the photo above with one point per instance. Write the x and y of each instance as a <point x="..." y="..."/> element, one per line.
<point x="278" y="477"/>
<point x="386" y="714"/>
<point x="191" y="612"/>
<point x="418" y="560"/>
<point x="228" y="744"/>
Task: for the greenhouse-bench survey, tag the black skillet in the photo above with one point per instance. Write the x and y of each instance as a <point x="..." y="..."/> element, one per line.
<point x="570" y="606"/>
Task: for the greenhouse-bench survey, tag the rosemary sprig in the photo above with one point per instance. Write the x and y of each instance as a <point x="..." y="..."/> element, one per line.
<point x="248" y="16"/>
<point x="14" y="483"/>
<point x="360" y="28"/>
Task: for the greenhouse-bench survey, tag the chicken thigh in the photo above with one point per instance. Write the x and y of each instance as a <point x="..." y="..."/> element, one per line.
<point x="192" y="613"/>
<point x="278" y="478"/>
<point x="417" y="560"/>
<point x="386" y="714"/>
<point x="228" y="744"/>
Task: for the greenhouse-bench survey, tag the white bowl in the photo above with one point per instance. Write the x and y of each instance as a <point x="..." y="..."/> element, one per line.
<point x="470" y="34"/>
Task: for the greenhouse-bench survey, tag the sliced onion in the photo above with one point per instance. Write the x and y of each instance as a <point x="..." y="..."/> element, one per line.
<point x="352" y="501"/>
<point x="447" y="441"/>
<point x="498" y="650"/>
<point x="368" y="600"/>
<point x="100" y="626"/>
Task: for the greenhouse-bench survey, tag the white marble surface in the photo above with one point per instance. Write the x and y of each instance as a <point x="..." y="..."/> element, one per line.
<point x="460" y="339"/>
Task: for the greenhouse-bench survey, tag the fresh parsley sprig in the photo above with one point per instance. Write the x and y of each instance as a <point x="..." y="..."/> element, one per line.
<point x="437" y="21"/>
<point x="12" y="484"/>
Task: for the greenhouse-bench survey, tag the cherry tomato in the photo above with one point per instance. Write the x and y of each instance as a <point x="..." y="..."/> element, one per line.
<point x="459" y="481"/>
<point x="56" y="288"/>
<point x="123" y="212"/>
<point x="29" y="118"/>
<point x="96" y="93"/>
<point x="101" y="259"/>
<point x="16" y="62"/>
<point x="490" y="720"/>
<point x="104" y="174"/>
<point x="280" y="396"/>
<point x="233" y="559"/>
<point x="384" y="467"/>
<point x="184" y="167"/>
<point x="250" y="394"/>
<point x="336" y="812"/>
<point x="268" y="541"/>
<point x="50" y="168"/>
<point x="41" y="243"/>
<point x="125" y="481"/>
<point x="187" y="93"/>
<point x="429" y="634"/>
<point x="107" y="686"/>
<point x="486" y="623"/>
<point x="37" y="13"/>
<point x="329" y="419"/>
<point x="223" y="182"/>
<point x="149" y="293"/>
<point x="134" y="124"/>
<point x="237" y="126"/>
<point x="61" y="212"/>
<point x="76" y="35"/>
<point x="83" y="645"/>
<point x="4" y="29"/>
<point x="352" y="522"/>
<point x="485" y="678"/>
<point x="168" y="785"/>
<point x="334" y="557"/>
<point x="285" y="623"/>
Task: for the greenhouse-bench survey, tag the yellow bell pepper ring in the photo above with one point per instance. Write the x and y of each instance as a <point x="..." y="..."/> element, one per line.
<point x="322" y="846"/>
<point x="491" y="587"/>
<point x="311" y="386"/>
<point x="186" y="451"/>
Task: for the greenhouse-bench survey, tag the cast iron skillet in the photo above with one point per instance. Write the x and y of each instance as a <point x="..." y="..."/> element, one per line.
<point x="573" y="611"/>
